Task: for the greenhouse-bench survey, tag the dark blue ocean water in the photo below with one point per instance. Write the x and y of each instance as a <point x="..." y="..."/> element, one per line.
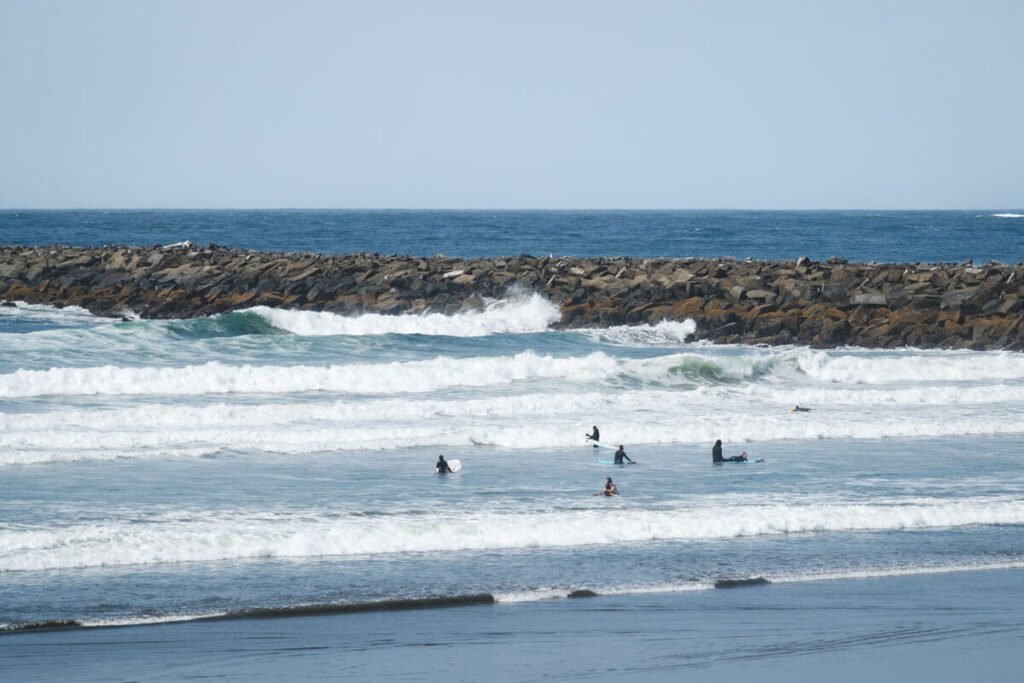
<point x="893" y="236"/>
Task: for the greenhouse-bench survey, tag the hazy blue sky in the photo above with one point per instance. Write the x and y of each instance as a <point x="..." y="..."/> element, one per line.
<point x="574" y="104"/>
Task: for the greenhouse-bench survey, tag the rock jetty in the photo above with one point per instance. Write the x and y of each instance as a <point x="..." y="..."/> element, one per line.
<point x="821" y="304"/>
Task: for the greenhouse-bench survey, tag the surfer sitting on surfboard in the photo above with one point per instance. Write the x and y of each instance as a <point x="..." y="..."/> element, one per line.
<point x="442" y="466"/>
<point x="716" y="454"/>
<point x="609" y="488"/>
<point x="620" y="454"/>
<point x="595" y="437"/>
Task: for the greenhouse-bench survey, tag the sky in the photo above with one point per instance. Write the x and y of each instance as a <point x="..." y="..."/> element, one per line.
<point x="588" y="104"/>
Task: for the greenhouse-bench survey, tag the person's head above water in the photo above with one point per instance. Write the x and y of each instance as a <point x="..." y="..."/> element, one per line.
<point x="621" y="447"/>
<point x="440" y="457"/>
<point x="718" y="442"/>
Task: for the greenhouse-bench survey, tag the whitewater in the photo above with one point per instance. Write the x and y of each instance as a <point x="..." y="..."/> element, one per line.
<point x="270" y="459"/>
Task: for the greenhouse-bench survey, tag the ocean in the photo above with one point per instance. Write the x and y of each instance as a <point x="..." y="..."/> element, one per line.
<point x="261" y="482"/>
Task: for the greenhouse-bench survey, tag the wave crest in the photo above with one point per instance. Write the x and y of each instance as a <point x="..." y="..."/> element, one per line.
<point x="515" y="315"/>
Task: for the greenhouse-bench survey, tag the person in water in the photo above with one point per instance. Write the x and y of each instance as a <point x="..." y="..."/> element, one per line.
<point x="442" y="466"/>
<point x="609" y="488"/>
<point x="800" y="409"/>
<point x="716" y="454"/>
<point x="595" y="436"/>
<point x="620" y="454"/>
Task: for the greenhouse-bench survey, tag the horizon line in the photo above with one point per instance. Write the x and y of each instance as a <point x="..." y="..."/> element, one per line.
<point x="501" y="209"/>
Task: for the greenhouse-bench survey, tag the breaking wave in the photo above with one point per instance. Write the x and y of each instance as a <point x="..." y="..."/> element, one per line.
<point x="516" y="315"/>
<point x="213" y="536"/>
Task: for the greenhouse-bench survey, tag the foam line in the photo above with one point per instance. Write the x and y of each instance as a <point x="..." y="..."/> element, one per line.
<point x="195" y="537"/>
<point x="911" y="367"/>
<point x="366" y="378"/>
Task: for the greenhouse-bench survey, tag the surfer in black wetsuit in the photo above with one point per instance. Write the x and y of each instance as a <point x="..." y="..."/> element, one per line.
<point x="716" y="454"/>
<point x="800" y="409"/>
<point x="620" y="454"/>
<point x="595" y="436"/>
<point x="442" y="466"/>
<point x="609" y="488"/>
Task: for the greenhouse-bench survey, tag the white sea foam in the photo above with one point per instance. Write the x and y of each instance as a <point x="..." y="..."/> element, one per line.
<point x="406" y="377"/>
<point x="834" y="397"/>
<point x="912" y="366"/>
<point x="882" y="572"/>
<point x="210" y="536"/>
<point x="367" y="378"/>
<point x="521" y="314"/>
<point x="665" y="333"/>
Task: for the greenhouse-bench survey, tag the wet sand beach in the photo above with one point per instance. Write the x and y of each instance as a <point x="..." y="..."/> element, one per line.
<point x="927" y="627"/>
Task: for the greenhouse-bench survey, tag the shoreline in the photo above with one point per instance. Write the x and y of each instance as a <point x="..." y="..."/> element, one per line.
<point x="920" y="627"/>
<point x="819" y="304"/>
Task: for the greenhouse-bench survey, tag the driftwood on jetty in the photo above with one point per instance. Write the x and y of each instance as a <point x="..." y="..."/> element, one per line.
<point x="822" y="304"/>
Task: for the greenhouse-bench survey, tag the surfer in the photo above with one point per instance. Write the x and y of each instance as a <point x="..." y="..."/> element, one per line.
<point x="595" y="436"/>
<point x="799" y="409"/>
<point x="620" y="454"/>
<point x="716" y="454"/>
<point x="442" y="466"/>
<point x="609" y="488"/>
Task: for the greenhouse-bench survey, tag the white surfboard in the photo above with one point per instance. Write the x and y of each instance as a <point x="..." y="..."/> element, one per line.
<point x="455" y="465"/>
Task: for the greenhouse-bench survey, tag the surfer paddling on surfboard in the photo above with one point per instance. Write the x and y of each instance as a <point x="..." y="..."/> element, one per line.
<point x="595" y="436"/>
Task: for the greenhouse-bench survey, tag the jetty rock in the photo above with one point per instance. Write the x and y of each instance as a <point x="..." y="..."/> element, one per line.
<point x="820" y="304"/>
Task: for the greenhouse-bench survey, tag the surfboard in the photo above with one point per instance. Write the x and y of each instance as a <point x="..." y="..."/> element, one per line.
<point x="737" y="462"/>
<point x="453" y="465"/>
<point x="612" y="462"/>
<point x="597" y="444"/>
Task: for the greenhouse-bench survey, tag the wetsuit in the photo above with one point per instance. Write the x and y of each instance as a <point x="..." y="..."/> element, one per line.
<point x="716" y="455"/>
<point x="619" y="455"/>
<point x="442" y="467"/>
<point x="595" y="437"/>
